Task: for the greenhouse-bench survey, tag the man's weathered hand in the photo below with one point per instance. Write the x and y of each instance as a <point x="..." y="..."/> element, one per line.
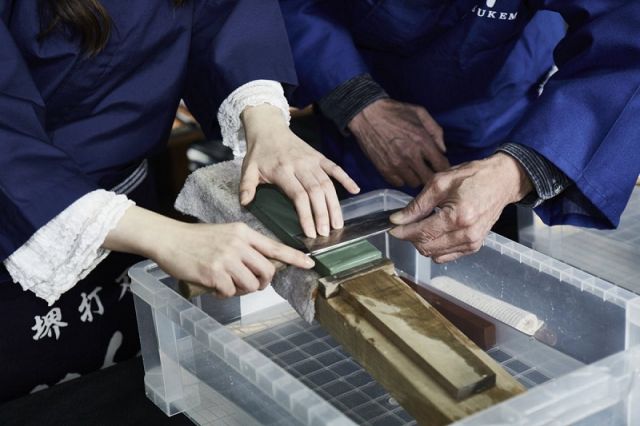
<point x="403" y="141"/>
<point x="455" y="211"/>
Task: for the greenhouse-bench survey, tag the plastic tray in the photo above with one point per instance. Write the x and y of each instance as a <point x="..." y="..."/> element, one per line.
<point x="251" y="360"/>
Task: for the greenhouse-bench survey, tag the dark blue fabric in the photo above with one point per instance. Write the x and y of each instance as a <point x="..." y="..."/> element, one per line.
<point x="70" y="123"/>
<point x="476" y="66"/>
<point x="30" y="359"/>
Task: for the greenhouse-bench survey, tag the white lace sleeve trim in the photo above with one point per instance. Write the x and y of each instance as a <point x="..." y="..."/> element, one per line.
<point x="254" y="93"/>
<point x="66" y="249"/>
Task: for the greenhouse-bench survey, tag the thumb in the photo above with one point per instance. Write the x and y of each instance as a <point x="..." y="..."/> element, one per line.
<point x="248" y="184"/>
<point x="419" y="208"/>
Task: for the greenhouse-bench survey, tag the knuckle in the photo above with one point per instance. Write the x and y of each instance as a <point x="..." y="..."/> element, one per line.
<point x="476" y="246"/>
<point x="465" y="216"/>
<point x="474" y="235"/>
<point x="314" y="189"/>
<point x="252" y="286"/>
<point x="326" y="184"/>
<point x="270" y="272"/>
<point x="438" y="183"/>
<point x="225" y="292"/>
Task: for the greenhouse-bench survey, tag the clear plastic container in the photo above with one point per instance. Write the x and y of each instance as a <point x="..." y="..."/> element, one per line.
<point x="613" y="255"/>
<point x="230" y="362"/>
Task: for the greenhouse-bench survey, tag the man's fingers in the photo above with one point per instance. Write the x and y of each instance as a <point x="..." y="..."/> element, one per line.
<point x="448" y="257"/>
<point x="248" y="183"/>
<point x="432" y="127"/>
<point x="424" y="232"/>
<point x="421" y="206"/>
<point x="318" y="201"/>
<point x="392" y="178"/>
<point x="410" y="177"/>
<point x="336" y="172"/>
<point x="423" y="171"/>
<point x="435" y="157"/>
<point x="296" y="193"/>
<point x="278" y="251"/>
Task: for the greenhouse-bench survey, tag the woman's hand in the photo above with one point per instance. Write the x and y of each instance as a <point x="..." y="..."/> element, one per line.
<point x="231" y="259"/>
<point x="275" y="155"/>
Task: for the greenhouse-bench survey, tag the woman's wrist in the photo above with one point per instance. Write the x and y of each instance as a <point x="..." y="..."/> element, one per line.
<point x="262" y="120"/>
<point x="141" y="232"/>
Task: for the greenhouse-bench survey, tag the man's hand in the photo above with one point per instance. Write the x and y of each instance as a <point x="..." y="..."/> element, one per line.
<point x="275" y="155"/>
<point x="455" y="211"/>
<point x="404" y="143"/>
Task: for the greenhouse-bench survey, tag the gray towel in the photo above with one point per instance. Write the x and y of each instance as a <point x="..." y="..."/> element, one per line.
<point x="211" y="195"/>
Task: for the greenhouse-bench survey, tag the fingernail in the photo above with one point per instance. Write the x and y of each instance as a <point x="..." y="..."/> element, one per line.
<point x="397" y="217"/>
<point x="243" y="197"/>
<point x="393" y="232"/>
<point x="324" y="230"/>
<point x="310" y="263"/>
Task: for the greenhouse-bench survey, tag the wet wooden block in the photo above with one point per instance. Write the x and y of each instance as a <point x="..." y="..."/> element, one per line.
<point x="481" y="331"/>
<point x="419" y="331"/>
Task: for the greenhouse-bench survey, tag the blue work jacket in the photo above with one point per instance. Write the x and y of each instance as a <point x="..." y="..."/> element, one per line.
<point x="70" y="124"/>
<point x="477" y="67"/>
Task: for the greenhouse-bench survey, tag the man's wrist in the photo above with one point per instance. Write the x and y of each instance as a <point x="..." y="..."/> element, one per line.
<point x="350" y="98"/>
<point x="548" y="181"/>
<point x="514" y="175"/>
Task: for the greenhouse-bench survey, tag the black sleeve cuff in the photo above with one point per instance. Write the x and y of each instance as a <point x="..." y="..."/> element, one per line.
<point x="348" y="99"/>
<point x="548" y="181"/>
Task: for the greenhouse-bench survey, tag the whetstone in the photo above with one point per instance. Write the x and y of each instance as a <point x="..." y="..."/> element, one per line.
<point x="278" y="214"/>
<point x="413" y="388"/>
<point x="419" y="331"/>
<point x="481" y="331"/>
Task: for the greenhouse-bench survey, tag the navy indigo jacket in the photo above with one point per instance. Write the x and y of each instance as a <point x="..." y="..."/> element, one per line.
<point x="477" y="66"/>
<point x="70" y="124"/>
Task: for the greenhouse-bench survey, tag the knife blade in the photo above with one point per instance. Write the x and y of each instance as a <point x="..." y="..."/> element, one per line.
<point x="354" y="230"/>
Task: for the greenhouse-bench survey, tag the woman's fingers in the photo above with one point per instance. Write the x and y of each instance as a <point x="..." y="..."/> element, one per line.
<point x="336" y="172"/>
<point x="223" y="285"/>
<point x="243" y="278"/>
<point x="293" y="189"/>
<point x="278" y="251"/>
<point x="317" y="196"/>
<point x="261" y="267"/>
<point x="331" y="198"/>
<point x="248" y="183"/>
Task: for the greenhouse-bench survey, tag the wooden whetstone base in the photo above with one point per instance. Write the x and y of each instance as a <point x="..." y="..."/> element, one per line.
<point x="407" y="381"/>
<point x="481" y="331"/>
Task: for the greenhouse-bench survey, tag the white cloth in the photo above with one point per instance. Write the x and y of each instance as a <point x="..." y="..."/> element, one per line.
<point x="211" y="195"/>
<point x="254" y="93"/>
<point x="68" y="247"/>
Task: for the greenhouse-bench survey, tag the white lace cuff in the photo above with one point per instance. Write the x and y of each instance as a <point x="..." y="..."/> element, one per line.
<point x="254" y="93"/>
<point x="66" y="249"/>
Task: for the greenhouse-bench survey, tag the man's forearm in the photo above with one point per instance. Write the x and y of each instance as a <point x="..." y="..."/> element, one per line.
<point x="348" y="99"/>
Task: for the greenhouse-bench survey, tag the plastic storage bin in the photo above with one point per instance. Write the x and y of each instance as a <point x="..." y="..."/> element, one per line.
<point x="235" y="362"/>
<point x="613" y="255"/>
